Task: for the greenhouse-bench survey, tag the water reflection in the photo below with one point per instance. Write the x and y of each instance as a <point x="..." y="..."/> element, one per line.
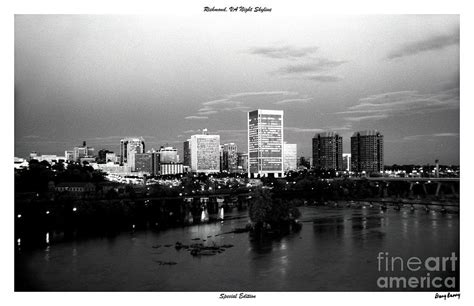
<point x="336" y="249"/>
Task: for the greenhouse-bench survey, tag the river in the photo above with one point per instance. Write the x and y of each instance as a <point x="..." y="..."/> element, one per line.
<point x="336" y="250"/>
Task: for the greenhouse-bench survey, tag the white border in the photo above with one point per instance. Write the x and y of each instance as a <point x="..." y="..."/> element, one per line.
<point x="292" y="9"/>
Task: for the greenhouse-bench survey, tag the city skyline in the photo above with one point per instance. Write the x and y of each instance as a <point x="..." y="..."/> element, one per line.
<point x="397" y="74"/>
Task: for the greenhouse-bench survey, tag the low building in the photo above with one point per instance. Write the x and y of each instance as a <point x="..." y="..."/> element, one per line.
<point x="111" y="158"/>
<point x="171" y="168"/>
<point x="20" y="163"/>
<point x="112" y="168"/>
<point x="50" y="158"/>
<point x="89" y="160"/>
<point x="75" y="187"/>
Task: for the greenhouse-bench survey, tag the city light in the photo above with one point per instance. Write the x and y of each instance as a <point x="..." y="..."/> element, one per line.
<point x="74" y="209"/>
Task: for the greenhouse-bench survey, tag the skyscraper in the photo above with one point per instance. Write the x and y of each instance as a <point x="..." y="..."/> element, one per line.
<point x="221" y="157"/>
<point x="327" y="151"/>
<point x="155" y="162"/>
<point x="242" y="162"/>
<point x="289" y="156"/>
<point x="265" y="143"/>
<point x="229" y="157"/>
<point x="367" y="151"/>
<point x="205" y="156"/>
<point x="128" y="148"/>
<point x="187" y="153"/>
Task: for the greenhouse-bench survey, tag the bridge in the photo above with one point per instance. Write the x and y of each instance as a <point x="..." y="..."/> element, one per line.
<point x="445" y="185"/>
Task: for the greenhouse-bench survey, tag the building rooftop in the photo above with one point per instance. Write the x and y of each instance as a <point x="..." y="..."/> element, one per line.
<point x="326" y="134"/>
<point x="367" y="133"/>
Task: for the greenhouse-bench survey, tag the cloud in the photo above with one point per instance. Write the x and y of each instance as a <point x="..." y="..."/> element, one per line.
<point x="366" y="117"/>
<point x="210" y="112"/>
<point x="196" y="117"/>
<point x="232" y="132"/>
<point x="260" y="93"/>
<point x="229" y="103"/>
<point x="237" y="108"/>
<point x="435" y="42"/>
<point x="106" y="138"/>
<point x="309" y="67"/>
<point x="284" y="52"/>
<point x="436" y="135"/>
<point x="302" y="130"/>
<point x="323" y="78"/>
<point x="320" y="64"/>
<point x="291" y="101"/>
<point x="446" y="135"/>
<point x="42" y="141"/>
<point x="383" y="105"/>
<point x="214" y="102"/>
<point x="313" y="70"/>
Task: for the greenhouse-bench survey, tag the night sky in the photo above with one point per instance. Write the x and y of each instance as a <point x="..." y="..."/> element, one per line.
<point x="100" y="78"/>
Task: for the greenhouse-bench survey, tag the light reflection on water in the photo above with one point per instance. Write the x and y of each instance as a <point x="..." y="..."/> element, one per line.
<point x="336" y="249"/>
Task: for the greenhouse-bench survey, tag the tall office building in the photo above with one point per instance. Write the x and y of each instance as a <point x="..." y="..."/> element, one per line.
<point x="168" y="155"/>
<point x="242" y="162"/>
<point x="229" y="157"/>
<point x="265" y="143"/>
<point x="128" y="148"/>
<point x="367" y="151"/>
<point x="187" y="153"/>
<point x="155" y="162"/>
<point x="205" y="157"/>
<point x="327" y="151"/>
<point x="346" y="161"/>
<point x="221" y="157"/>
<point x="144" y="162"/>
<point x="289" y="156"/>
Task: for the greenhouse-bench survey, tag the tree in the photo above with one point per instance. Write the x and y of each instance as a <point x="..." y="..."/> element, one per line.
<point x="265" y="211"/>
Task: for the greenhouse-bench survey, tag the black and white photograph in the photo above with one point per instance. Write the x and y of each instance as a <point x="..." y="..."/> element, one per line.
<point x="237" y="149"/>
